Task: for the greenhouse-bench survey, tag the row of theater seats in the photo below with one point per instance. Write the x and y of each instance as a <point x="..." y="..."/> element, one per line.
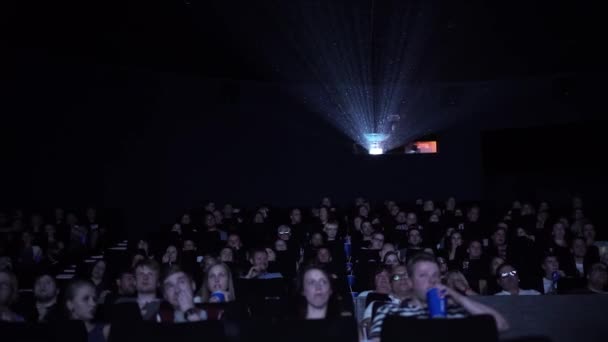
<point x="395" y="329"/>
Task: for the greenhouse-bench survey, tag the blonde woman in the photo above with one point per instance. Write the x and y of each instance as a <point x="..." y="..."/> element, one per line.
<point x="218" y="286"/>
<point x="457" y="281"/>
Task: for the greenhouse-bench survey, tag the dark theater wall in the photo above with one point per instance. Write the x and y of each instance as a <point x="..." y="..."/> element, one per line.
<point x="264" y="148"/>
<point x="154" y="144"/>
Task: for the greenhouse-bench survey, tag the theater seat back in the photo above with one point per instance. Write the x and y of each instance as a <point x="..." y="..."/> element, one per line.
<point x="480" y="328"/>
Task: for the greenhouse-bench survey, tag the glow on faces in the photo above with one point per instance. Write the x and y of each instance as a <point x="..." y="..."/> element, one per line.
<point x="316" y="289"/>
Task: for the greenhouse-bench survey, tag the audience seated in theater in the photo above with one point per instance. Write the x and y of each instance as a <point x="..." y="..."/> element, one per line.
<point x="217" y="286"/>
<point x="521" y="250"/>
<point x="400" y="290"/>
<point x="424" y="275"/>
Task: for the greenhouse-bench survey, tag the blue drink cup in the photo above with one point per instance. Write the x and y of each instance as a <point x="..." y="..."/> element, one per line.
<point x="220" y="296"/>
<point x="347" y="250"/>
<point x="351" y="280"/>
<point x="555" y="278"/>
<point x="437" y="307"/>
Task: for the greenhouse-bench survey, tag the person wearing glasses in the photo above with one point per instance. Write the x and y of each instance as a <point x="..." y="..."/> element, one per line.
<point x="400" y="290"/>
<point x="423" y="275"/>
<point x="508" y="280"/>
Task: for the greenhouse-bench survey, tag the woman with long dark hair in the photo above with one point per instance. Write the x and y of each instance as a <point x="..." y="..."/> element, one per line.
<point x="317" y="297"/>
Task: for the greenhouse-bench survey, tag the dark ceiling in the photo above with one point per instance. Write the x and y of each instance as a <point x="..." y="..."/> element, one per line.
<point x="232" y="39"/>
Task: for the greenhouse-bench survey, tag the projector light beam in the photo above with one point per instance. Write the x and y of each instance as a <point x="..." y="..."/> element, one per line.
<point x="372" y="63"/>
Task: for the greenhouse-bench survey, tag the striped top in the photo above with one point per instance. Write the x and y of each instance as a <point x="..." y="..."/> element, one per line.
<point x="407" y="309"/>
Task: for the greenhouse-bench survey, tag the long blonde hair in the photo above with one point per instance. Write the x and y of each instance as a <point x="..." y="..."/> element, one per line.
<point x="204" y="293"/>
<point x="452" y="276"/>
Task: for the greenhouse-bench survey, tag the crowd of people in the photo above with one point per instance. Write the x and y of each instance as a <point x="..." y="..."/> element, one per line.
<point x="224" y="263"/>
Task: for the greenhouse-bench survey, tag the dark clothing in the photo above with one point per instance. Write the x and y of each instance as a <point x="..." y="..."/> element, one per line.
<point x="96" y="334"/>
<point x="227" y="311"/>
<point x="286" y="263"/>
<point x="459" y="256"/>
<point x="53" y="314"/>
<point x="336" y="248"/>
<point x="210" y="242"/>
<point x="476" y="270"/>
<point x="365" y="255"/>
<point x="563" y="253"/>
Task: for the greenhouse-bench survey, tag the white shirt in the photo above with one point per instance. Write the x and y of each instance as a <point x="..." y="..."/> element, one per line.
<point x="521" y="292"/>
<point x="580" y="268"/>
<point x="547" y="285"/>
<point x="269" y="276"/>
<point x="369" y="308"/>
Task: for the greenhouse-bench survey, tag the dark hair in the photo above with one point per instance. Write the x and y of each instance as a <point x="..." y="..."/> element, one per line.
<point x="367" y="221"/>
<point x="597" y="266"/>
<point x="122" y="271"/>
<point x="578" y="238"/>
<point x="322" y="233"/>
<point x="149" y="263"/>
<point x="497" y="228"/>
<point x="418" y="258"/>
<point x="171" y="270"/>
<point x="254" y="251"/>
<point x="390" y="253"/>
<point x="474" y="240"/>
<point x="378" y="270"/>
<point x="44" y="273"/>
<point x="316" y="258"/>
<point x="382" y="268"/>
<point x="93" y="265"/>
<point x="333" y="306"/>
<point x="547" y="255"/>
<point x="411" y="229"/>
<point x="73" y="286"/>
<point x="333" y="222"/>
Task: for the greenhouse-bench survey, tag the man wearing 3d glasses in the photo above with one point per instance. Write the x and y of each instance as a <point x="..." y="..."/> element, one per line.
<point x="508" y="280"/>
